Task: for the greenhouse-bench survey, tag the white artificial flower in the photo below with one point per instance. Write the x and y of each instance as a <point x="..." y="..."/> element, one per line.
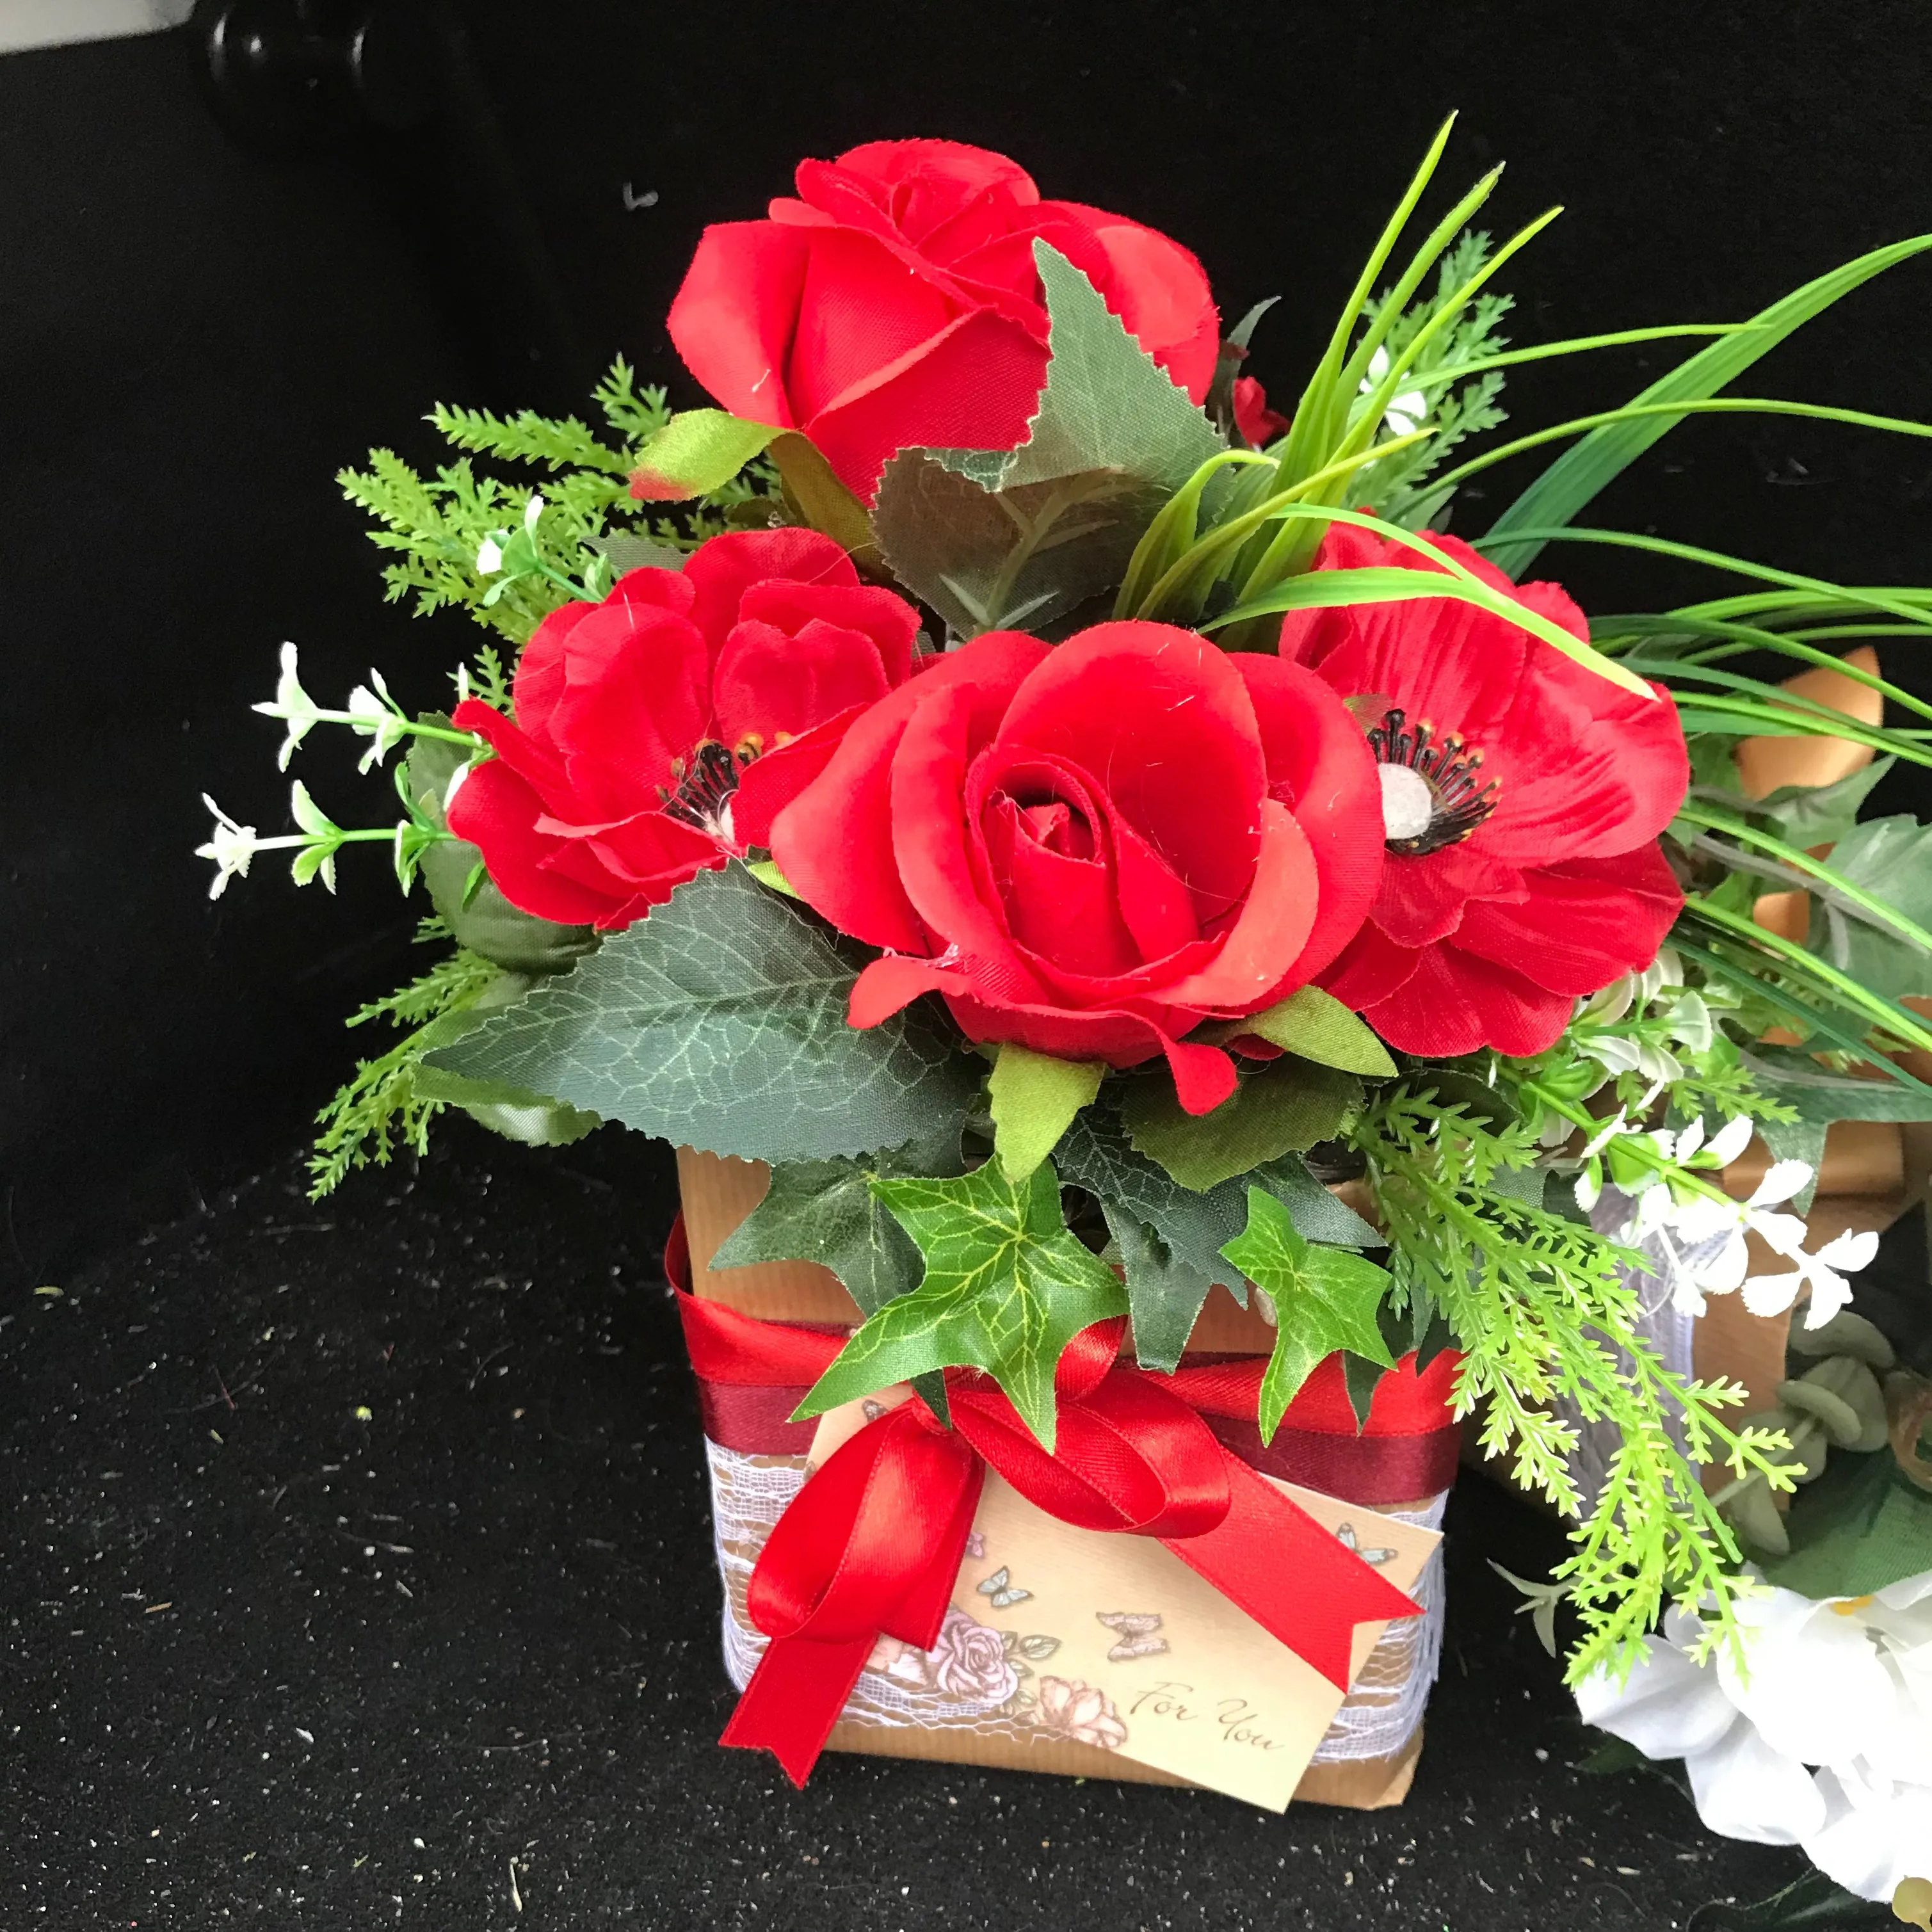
<point x="1772" y="1294"/>
<point x="1712" y="1258"/>
<point x="1844" y="1684"/>
<point x="1406" y="410"/>
<point x="293" y="705"/>
<point x="231" y="847"/>
<point x="374" y="715"/>
<point x="489" y="557"/>
<point x="1729" y="1140"/>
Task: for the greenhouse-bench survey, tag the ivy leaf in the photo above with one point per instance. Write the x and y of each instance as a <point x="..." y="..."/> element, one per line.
<point x="483" y="920"/>
<point x="1324" y="1298"/>
<point x="1281" y="1107"/>
<point x="1316" y="1026"/>
<point x="1006" y="1287"/>
<point x="826" y="1211"/>
<point x="1035" y="1098"/>
<point x="719" y="1023"/>
<point x="697" y="451"/>
<point x="1892" y="859"/>
<point x="993" y="538"/>
<point x="1171" y="1237"/>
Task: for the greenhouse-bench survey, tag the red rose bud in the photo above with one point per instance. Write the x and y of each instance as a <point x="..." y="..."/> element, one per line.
<point x="1090" y="848"/>
<point x="1522" y="796"/>
<point x="657" y="732"/>
<point x="1255" y="422"/>
<point x="895" y="305"/>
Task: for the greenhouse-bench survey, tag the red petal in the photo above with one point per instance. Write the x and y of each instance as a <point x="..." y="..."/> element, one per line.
<point x="1581" y="925"/>
<point x="496" y="812"/>
<point x="1273" y="924"/>
<point x="734" y="314"/>
<point x="1319" y="764"/>
<point x="973" y="386"/>
<point x="887" y="620"/>
<point x="1061" y="907"/>
<point x="767" y="685"/>
<point x="1425" y="896"/>
<point x="1204" y="1076"/>
<point x="1454" y="1003"/>
<point x="771" y="781"/>
<point x="1373" y="969"/>
<point x="834" y="842"/>
<point x="1255" y="422"/>
<point x="1163" y="718"/>
<point x="722" y="572"/>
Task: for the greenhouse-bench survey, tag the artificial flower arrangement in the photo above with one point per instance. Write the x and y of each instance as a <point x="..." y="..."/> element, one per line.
<point x="1111" y="854"/>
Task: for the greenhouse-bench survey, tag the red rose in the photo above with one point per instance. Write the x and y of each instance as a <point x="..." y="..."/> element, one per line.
<point x="895" y="305"/>
<point x="658" y="732"/>
<point x="1090" y="848"/>
<point x="1522" y="796"/>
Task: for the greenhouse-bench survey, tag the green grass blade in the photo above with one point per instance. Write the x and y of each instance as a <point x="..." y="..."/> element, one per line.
<point x="1715" y="560"/>
<point x="1767" y="406"/>
<point x="1318" y="588"/>
<point x="1579" y="474"/>
<point x="1574" y="345"/>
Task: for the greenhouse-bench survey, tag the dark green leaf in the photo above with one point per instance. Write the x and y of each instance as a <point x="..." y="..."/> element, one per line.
<point x="1451" y="1088"/>
<point x="826" y="1211"/>
<point x="1006" y="1287"/>
<point x="1819" y="1097"/>
<point x="1324" y="1299"/>
<point x="719" y="1023"/>
<point x="994" y="538"/>
<point x="1359" y="1377"/>
<point x="1281" y="1107"/>
<point x="1171" y="1237"/>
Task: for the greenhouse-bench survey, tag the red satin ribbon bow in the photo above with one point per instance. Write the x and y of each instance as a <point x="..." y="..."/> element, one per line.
<point x="874" y="1541"/>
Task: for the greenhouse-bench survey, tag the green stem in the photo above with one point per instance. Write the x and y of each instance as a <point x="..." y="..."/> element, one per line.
<point x="1641" y="1145"/>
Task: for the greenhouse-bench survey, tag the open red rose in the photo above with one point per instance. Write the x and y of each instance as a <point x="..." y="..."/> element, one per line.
<point x="657" y="732"/>
<point x="1522" y="796"/>
<point x="1090" y="848"/>
<point x="895" y="305"/>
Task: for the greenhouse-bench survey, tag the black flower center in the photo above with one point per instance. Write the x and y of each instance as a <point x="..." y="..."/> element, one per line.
<point x="705" y="783"/>
<point x="1432" y="792"/>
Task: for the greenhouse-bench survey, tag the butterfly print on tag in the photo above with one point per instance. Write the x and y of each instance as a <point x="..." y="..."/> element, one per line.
<point x="999" y="1586"/>
<point x="1134" y="1631"/>
<point x="1346" y="1536"/>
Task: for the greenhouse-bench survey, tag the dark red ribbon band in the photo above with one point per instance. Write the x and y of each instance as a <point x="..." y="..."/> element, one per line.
<point x="874" y="1542"/>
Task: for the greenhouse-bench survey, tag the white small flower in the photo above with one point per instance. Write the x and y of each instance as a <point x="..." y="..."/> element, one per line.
<point x="1691" y="1022"/>
<point x="1612" y="1050"/>
<point x="293" y="705"/>
<point x="1690" y="1139"/>
<point x="1666" y="970"/>
<point x="374" y="716"/>
<point x="1729" y="1140"/>
<point x="231" y="847"/>
<point x="489" y="557"/>
<point x="1823" y="1273"/>
<point x="1612" y="1003"/>
<point x="532" y="510"/>
<point x="1405" y="410"/>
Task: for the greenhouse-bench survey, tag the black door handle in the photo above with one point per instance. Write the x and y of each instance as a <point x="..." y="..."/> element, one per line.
<point x="288" y="74"/>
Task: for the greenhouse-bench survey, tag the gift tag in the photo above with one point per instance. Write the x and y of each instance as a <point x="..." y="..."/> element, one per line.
<point x="1082" y="1636"/>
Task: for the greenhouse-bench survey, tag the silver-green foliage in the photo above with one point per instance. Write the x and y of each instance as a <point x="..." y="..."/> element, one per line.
<point x="719" y="1022"/>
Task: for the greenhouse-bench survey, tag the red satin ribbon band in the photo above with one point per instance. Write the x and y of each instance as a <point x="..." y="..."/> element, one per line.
<point x="1408" y="1448"/>
<point x="874" y="1541"/>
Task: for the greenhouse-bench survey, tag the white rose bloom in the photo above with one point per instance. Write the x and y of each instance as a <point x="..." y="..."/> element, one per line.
<point x="1844" y="1684"/>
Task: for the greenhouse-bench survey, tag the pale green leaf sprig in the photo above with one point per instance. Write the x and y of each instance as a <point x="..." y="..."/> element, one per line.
<point x="507" y="556"/>
<point x="1543" y="1307"/>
